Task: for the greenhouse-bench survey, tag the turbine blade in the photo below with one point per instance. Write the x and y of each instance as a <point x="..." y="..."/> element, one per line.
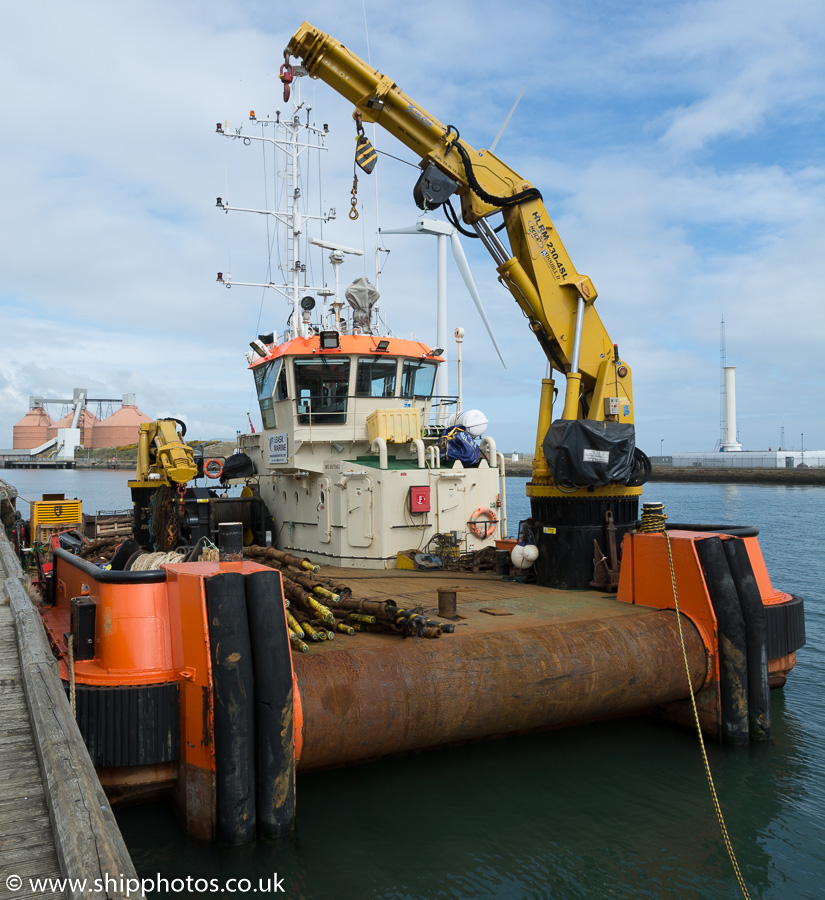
<point x="506" y="121"/>
<point x="467" y="275"/>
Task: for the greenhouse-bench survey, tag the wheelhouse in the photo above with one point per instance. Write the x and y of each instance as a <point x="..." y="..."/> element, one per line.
<point x="302" y="384"/>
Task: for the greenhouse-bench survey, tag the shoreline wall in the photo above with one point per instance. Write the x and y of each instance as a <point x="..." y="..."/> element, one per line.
<point x="522" y="469"/>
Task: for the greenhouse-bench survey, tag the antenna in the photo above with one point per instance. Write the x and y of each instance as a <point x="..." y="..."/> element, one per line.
<point x="336" y="258"/>
<point x="292" y="137"/>
<point x="328" y="245"/>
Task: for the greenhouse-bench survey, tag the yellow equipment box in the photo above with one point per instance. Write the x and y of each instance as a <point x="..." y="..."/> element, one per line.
<point x="54" y="513"/>
<point x="394" y="425"/>
<point x="405" y="559"/>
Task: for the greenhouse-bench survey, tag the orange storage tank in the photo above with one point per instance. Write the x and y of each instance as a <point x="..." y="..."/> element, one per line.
<point x="120" y="428"/>
<point x="33" y="429"/>
<point x="88" y="423"/>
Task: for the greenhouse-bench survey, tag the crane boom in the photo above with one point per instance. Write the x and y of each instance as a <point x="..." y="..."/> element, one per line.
<point x="556" y="299"/>
<point x="587" y="471"/>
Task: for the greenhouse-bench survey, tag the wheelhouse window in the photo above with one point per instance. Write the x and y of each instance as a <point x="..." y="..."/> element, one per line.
<point x="267" y="377"/>
<point x="321" y="389"/>
<point x="376" y="376"/>
<point x="417" y="378"/>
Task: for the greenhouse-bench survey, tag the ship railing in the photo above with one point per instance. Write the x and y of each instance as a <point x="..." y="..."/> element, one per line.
<point x="442" y="408"/>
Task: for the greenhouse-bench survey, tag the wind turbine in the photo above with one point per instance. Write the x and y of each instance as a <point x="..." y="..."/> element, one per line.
<point x="442" y="231"/>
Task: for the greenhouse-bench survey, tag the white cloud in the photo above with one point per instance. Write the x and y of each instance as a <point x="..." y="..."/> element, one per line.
<point x="673" y="147"/>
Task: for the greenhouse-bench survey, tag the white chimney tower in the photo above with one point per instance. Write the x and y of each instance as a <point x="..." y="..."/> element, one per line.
<point x="730" y="444"/>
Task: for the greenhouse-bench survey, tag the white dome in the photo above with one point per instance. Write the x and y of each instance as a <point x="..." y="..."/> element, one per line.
<point x="524" y="555"/>
<point x="473" y="420"/>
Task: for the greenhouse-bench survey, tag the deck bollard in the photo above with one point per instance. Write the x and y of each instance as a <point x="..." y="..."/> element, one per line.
<point x="447" y="602"/>
<point x="230" y="541"/>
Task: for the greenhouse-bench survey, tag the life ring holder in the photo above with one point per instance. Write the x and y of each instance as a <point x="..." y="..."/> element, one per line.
<point x="213" y="468"/>
<point x="483" y="529"/>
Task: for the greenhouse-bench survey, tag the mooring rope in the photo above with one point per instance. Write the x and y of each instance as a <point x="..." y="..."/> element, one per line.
<point x="654" y="519"/>
<point x="72" y="686"/>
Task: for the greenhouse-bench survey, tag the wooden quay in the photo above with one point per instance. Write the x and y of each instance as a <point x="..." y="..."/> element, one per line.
<point x="55" y="820"/>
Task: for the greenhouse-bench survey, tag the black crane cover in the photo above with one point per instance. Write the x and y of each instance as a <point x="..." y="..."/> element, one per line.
<point x="588" y="453"/>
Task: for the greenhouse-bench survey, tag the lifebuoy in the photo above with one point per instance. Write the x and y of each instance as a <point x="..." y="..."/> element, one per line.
<point x="482" y="529"/>
<point x="213" y="468"/>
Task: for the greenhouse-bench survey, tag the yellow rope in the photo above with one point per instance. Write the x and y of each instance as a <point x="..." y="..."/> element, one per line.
<point x="70" y="666"/>
<point x="713" y="795"/>
<point x="653" y="518"/>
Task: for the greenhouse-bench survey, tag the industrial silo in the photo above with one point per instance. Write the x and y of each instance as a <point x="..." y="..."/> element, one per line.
<point x="121" y="427"/>
<point x="33" y="429"/>
<point x="88" y="424"/>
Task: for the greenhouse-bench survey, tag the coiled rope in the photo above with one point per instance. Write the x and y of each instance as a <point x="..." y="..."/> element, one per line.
<point x="653" y="520"/>
<point x="210" y="553"/>
<point x="147" y="561"/>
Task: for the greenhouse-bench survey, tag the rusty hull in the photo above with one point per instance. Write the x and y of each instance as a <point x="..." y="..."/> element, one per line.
<point x="557" y="659"/>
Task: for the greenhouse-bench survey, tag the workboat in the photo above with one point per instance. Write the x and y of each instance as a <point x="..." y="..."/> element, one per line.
<point x="361" y="598"/>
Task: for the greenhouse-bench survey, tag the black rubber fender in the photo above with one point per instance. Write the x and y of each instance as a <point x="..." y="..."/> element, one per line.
<point x="733" y="656"/>
<point x="756" y="638"/>
<point x="232" y="675"/>
<point x="786" y="627"/>
<point x="741" y="531"/>
<point x="274" y="748"/>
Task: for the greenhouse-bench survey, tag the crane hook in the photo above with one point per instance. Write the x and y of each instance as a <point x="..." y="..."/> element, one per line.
<point x="286" y="75"/>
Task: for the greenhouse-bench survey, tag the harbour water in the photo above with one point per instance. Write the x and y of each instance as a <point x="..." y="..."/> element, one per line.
<point x="616" y="809"/>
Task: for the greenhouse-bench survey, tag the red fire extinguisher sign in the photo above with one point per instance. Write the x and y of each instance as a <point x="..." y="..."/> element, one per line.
<point x="419" y="499"/>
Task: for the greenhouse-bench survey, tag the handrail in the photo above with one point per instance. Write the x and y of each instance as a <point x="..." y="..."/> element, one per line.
<point x="492" y="455"/>
<point x="379" y="445"/>
<point x="108" y="576"/>
<point x="503" y="490"/>
<point x="419" y="447"/>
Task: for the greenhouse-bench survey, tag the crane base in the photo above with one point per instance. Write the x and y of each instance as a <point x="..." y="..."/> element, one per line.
<point x="565" y="528"/>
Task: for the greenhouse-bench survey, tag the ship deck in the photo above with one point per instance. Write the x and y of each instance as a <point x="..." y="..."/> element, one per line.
<point x="522" y="658"/>
<point x="485" y="603"/>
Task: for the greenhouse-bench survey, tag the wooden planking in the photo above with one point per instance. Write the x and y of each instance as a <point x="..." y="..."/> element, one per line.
<point x="36" y="842"/>
<point x="32" y="864"/>
<point x="15" y="741"/>
<point x="35" y="819"/>
<point x="27" y="845"/>
<point x="83" y="831"/>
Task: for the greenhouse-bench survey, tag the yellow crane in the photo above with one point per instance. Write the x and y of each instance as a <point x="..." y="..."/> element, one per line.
<point x="587" y="472"/>
<point x="164" y="460"/>
<point x="163" y="456"/>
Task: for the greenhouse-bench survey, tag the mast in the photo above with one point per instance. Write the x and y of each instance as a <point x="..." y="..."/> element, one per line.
<point x="294" y="137"/>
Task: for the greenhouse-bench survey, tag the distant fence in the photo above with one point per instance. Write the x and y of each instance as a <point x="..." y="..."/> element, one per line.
<point x="780" y="459"/>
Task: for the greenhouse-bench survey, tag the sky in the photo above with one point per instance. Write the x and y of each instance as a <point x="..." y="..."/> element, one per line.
<point x="678" y="148"/>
